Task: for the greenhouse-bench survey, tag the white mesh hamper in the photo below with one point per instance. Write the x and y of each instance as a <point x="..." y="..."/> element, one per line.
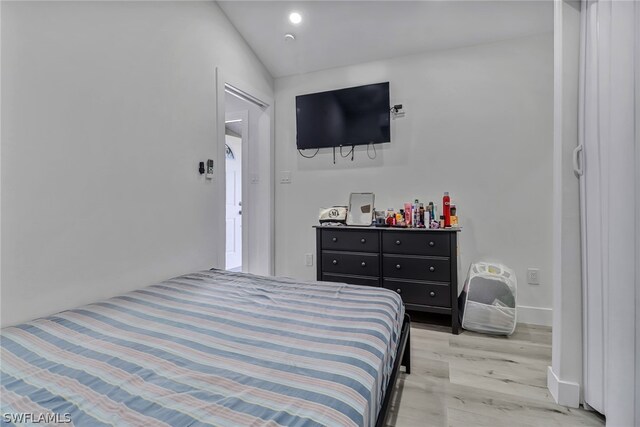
<point x="489" y="299"/>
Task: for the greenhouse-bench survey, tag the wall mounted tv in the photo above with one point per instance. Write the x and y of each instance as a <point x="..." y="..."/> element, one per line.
<point x="344" y="117"/>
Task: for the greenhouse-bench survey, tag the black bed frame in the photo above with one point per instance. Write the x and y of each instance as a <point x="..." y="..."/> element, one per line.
<point x="403" y="358"/>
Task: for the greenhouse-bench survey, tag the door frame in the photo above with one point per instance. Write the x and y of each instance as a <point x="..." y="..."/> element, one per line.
<point x="267" y="212"/>
<point x="244" y="141"/>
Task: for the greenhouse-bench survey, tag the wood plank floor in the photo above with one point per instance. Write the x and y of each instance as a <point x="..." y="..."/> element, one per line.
<point x="480" y="380"/>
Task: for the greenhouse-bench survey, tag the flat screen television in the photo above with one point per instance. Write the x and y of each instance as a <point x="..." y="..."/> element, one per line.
<point x="344" y="117"/>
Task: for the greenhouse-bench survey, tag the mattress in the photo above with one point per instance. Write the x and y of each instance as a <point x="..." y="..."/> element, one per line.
<point x="208" y="348"/>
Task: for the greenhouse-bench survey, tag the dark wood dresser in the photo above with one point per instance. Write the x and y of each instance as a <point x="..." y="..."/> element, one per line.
<point x="419" y="264"/>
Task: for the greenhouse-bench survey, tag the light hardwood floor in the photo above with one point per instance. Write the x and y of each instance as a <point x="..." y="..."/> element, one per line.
<point x="480" y="380"/>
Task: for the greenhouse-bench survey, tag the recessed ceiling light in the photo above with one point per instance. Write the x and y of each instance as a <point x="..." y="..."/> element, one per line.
<point x="295" y="18"/>
<point x="289" y="37"/>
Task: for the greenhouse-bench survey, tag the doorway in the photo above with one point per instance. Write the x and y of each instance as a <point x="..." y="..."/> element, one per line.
<point x="244" y="178"/>
<point x="235" y="133"/>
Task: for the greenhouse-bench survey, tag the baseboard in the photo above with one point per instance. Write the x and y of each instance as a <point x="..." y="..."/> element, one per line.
<point x="535" y="315"/>
<point x="565" y="393"/>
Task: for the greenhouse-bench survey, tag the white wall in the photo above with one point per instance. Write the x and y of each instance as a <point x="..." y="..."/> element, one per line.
<point x="478" y="124"/>
<point x="107" y="108"/>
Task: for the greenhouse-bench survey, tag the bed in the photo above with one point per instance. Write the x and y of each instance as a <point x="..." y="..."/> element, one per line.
<point x="211" y="348"/>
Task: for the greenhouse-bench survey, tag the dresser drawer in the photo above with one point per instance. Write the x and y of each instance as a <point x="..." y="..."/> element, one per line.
<point x="416" y="243"/>
<point x="360" y="264"/>
<point x="421" y="293"/>
<point x="417" y="268"/>
<point x="350" y="240"/>
<point x="352" y="280"/>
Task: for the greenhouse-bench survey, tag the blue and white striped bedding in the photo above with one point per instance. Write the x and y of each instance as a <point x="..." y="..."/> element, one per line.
<point x="209" y="348"/>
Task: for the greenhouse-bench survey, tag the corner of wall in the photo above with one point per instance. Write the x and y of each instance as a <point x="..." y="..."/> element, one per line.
<point x="565" y="393"/>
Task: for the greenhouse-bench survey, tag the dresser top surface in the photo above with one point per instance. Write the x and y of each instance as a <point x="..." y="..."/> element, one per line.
<point x="404" y="229"/>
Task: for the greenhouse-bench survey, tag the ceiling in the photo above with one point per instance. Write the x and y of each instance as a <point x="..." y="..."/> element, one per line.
<point x="233" y="104"/>
<point x="233" y="129"/>
<point x="339" y="33"/>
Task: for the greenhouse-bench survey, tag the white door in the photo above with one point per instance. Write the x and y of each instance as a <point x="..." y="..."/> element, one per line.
<point x="593" y="212"/>
<point x="233" y="166"/>
<point x="610" y="198"/>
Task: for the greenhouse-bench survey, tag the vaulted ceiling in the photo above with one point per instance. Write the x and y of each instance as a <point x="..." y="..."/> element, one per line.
<point x="338" y="33"/>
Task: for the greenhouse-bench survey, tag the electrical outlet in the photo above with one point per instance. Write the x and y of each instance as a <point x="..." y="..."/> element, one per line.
<point x="533" y="276"/>
<point x="308" y="260"/>
<point x="285" y="177"/>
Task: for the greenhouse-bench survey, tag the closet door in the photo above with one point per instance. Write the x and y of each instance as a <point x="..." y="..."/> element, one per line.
<point x="610" y="195"/>
<point x="590" y="161"/>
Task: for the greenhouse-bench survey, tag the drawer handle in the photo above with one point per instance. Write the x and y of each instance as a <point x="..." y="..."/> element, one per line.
<point x="432" y="269"/>
<point x="398" y="266"/>
<point x="398" y="242"/>
<point x="432" y="294"/>
<point x="432" y="243"/>
<point x="363" y="240"/>
<point x="335" y="261"/>
<point x="364" y="264"/>
<point x="335" y="239"/>
<point x="399" y="290"/>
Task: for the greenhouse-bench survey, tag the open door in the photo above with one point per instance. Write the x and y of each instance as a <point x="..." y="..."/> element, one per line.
<point x="245" y="173"/>
<point x="233" y="166"/>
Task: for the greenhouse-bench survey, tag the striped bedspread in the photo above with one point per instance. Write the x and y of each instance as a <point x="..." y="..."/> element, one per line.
<point x="209" y="348"/>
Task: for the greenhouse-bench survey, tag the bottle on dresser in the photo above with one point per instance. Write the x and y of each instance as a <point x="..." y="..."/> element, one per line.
<point x="446" y="210"/>
<point x="407" y="214"/>
<point x="454" y="217"/>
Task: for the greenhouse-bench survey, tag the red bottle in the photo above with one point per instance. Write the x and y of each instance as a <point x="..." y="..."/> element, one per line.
<point x="446" y="209"/>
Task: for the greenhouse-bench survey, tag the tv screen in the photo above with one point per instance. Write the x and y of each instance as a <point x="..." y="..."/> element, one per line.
<point x="353" y="116"/>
